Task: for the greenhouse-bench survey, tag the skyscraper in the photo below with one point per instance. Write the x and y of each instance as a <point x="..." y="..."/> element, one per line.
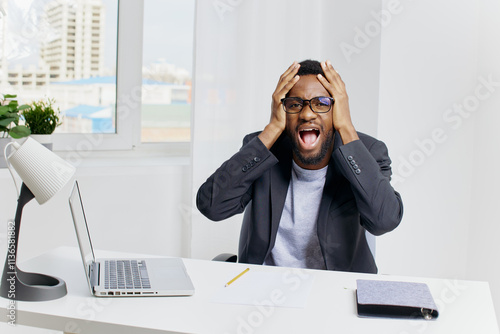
<point x="76" y="48"/>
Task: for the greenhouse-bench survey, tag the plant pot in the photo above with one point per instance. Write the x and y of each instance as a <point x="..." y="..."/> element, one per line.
<point x="45" y="140"/>
<point x="3" y="143"/>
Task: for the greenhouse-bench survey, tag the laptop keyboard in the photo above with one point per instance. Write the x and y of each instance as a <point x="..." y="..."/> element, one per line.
<point x="126" y="274"/>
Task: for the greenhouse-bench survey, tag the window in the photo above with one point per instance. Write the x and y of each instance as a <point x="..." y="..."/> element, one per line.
<point x="167" y="70"/>
<point x="102" y="98"/>
<point x="43" y="43"/>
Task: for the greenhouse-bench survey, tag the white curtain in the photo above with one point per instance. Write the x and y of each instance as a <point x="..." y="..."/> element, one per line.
<point x="241" y="49"/>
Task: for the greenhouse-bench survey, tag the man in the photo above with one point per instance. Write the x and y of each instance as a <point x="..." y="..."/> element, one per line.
<point x="309" y="183"/>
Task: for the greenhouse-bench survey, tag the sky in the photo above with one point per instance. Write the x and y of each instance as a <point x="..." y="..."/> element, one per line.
<point x="168" y="32"/>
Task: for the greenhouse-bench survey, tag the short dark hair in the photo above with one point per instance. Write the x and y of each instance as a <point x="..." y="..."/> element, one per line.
<point x="309" y="66"/>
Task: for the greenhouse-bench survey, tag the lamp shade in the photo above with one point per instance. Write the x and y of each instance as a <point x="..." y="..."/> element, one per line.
<point x="41" y="170"/>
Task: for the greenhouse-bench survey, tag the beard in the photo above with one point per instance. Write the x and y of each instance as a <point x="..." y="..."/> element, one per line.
<point x="312" y="159"/>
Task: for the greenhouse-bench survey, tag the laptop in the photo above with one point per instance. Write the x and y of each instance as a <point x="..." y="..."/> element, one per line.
<point x="126" y="277"/>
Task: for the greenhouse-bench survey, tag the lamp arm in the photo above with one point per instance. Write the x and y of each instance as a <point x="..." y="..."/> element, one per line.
<point x="24" y="197"/>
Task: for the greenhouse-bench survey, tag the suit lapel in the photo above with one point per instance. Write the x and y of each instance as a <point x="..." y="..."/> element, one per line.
<point x="332" y="181"/>
<point x="332" y="186"/>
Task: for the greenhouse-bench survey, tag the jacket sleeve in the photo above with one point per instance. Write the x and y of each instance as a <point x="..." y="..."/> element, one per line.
<point x="229" y="189"/>
<point x="368" y="169"/>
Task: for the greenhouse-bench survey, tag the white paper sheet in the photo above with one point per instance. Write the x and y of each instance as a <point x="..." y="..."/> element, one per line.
<point x="290" y="288"/>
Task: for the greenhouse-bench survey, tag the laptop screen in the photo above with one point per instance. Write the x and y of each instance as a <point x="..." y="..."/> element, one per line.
<point x="82" y="232"/>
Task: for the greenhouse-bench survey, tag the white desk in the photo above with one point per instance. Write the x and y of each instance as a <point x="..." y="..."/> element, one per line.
<point x="465" y="306"/>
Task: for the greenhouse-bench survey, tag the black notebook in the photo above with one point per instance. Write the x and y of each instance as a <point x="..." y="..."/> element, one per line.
<point x="395" y="299"/>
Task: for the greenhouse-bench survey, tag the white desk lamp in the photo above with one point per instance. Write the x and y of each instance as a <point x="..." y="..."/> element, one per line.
<point x="43" y="174"/>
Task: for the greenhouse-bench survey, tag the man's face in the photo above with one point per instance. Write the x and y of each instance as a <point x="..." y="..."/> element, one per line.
<point x="311" y="133"/>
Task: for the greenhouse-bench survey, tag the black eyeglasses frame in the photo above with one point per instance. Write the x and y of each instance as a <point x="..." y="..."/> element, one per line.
<point x="310" y="105"/>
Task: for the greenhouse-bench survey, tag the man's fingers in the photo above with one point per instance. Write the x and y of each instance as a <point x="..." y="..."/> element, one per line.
<point x="286" y="82"/>
<point x="288" y="75"/>
<point x="329" y="71"/>
<point x="323" y="81"/>
<point x="290" y="69"/>
<point x="333" y="81"/>
<point x="327" y="84"/>
<point x="335" y="74"/>
<point x="286" y="88"/>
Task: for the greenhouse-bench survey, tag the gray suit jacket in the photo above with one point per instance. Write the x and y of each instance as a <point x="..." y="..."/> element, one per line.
<point x="357" y="196"/>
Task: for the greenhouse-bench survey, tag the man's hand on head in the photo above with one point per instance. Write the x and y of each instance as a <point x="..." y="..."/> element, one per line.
<point x="277" y="123"/>
<point x="341" y="114"/>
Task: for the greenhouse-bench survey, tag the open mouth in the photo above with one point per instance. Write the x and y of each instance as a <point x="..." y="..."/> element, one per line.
<point x="309" y="137"/>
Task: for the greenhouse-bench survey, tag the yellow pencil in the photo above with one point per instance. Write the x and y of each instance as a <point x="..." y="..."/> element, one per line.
<point x="234" y="279"/>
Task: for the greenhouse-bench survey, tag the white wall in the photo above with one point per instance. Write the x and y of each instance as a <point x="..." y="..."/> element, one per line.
<point x="484" y="225"/>
<point x="435" y="57"/>
<point x="133" y="207"/>
<point x="429" y="62"/>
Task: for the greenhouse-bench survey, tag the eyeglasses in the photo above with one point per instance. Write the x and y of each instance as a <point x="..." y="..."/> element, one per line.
<point x="320" y="104"/>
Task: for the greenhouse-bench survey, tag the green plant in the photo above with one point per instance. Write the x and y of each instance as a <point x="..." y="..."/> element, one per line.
<point x="9" y="117"/>
<point x="42" y="118"/>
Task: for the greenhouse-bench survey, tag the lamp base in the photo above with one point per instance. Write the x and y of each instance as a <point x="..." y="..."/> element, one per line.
<point x="23" y="286"/>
